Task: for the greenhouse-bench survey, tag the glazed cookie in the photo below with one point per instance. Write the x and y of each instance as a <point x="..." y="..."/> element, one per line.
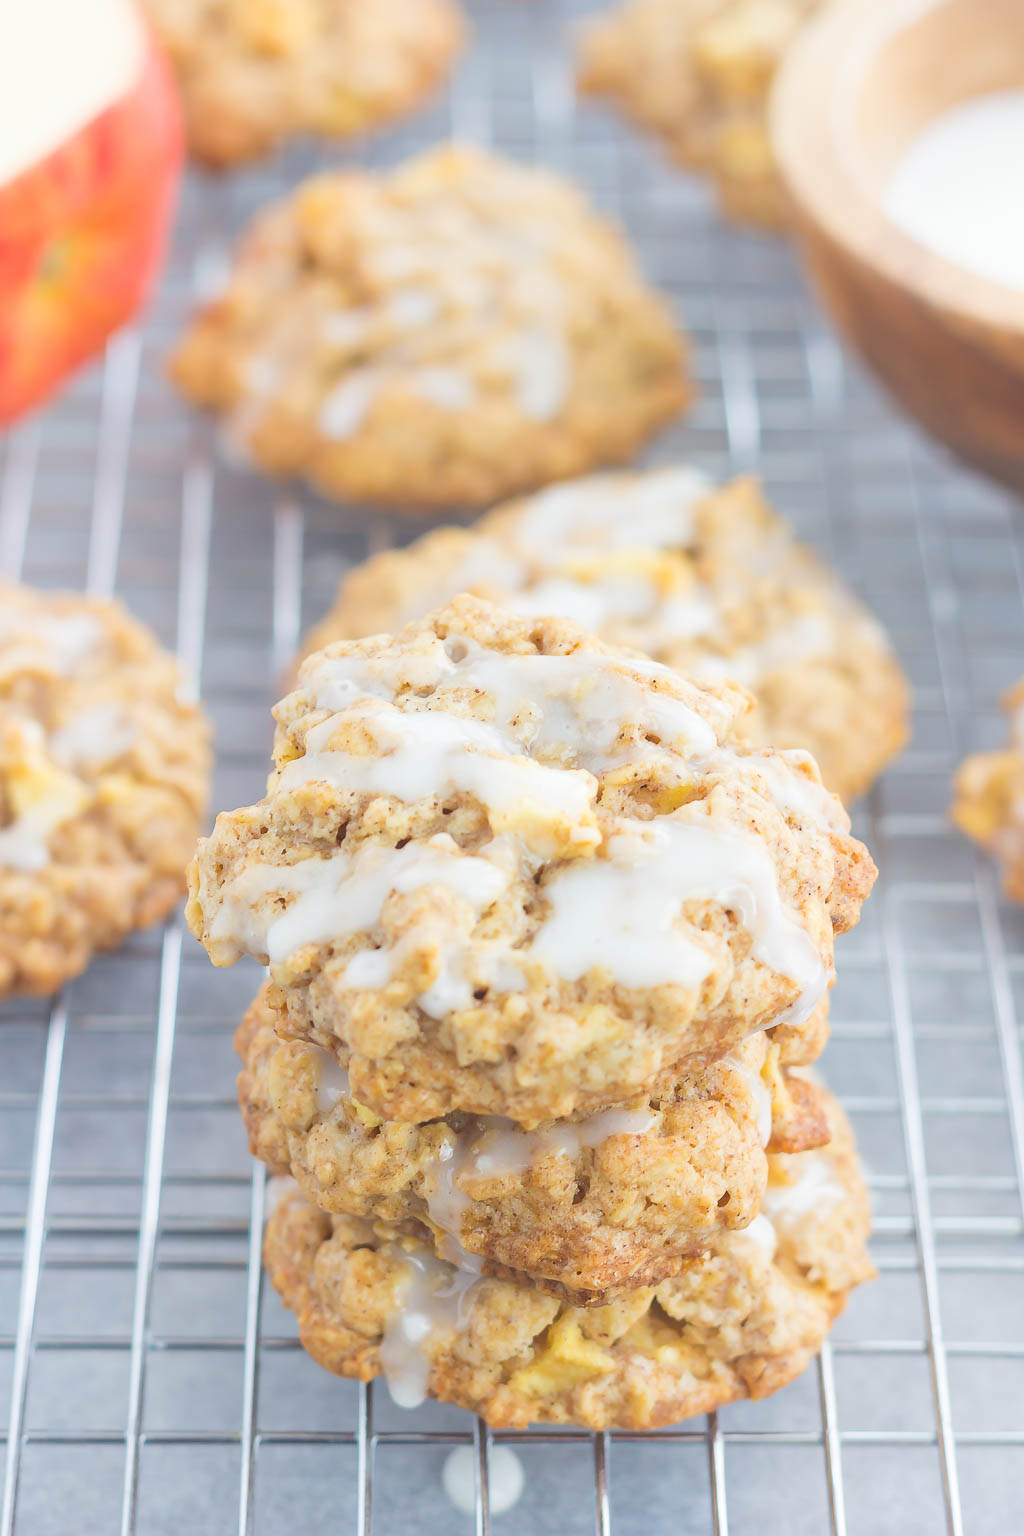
<point x="457" y="330"/>
<point x="707" y="579"/>
<point x="741" y="1321"/>
<point x="255" y="72"/>
<point x="988" y="801"/>
<point x="583" y="1209"/>
<point x="504" y="868"/>
<point x="103" y="782"/>
<point x="698" y="74"/>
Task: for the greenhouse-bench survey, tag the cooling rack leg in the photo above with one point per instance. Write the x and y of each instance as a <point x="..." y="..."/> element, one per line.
<point x="481" y="1480"/>
<point x="32" y="1257"/>
<point x="716" y="1472"/>
<point x="253" y="1300"/>
<point x="287" y="584"/>
<point x="120" y="386"/>
<point x="364" y="1459"/>
<point x="913" y="1135"/>
<point x="16" y="495"/>
<point x="830" y="1431"/>
<point x="602" y="1513"/>
<point x="149" y="1221"/>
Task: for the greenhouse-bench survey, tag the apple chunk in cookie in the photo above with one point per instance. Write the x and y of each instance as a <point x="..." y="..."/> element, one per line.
<point x="505" y="868"/>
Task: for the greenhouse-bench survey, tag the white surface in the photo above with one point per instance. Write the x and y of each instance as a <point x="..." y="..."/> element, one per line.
<point x="960" y="187"/>
<point x="62" y="63"/>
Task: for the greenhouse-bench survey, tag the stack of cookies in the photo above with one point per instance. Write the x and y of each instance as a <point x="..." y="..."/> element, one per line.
<point x="549" y="950"/>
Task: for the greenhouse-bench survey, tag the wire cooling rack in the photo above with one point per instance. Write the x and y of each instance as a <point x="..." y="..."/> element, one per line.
<point x="154" y="1383"/>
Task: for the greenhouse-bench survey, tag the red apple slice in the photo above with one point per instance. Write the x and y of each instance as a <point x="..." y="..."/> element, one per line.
<point x="90" y="156"/>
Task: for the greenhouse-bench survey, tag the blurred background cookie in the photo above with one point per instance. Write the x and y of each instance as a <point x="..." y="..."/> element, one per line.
<point x="707" y="579"/>
<point x="253" y="73"/>
<point x="104" y="771"/>
<point x="988" y="798"/>
<point x="697" y="73"/>
<point x="455" y="331"/>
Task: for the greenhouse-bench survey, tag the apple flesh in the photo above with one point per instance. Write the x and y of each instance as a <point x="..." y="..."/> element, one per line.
<point x="90" y="157"/>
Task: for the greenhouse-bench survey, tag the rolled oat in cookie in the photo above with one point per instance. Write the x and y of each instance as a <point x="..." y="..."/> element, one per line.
<point x="457" y="330"/>
<point x="707" y="579"/>
<point x="584" y="1209"/>
<point x="504" y="868"/>
<point x="104" y="770"/>
<point x="740" y="1321"/>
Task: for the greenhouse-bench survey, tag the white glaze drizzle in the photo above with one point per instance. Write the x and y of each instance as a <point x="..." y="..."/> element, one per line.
<point x="795" y="792"/>
<point x="603" y="511"/>
<point x="544" y="373"/>
<point x="815" y="1188"/>
<point x="344" y="894"/>
<point x="60" y="642"/>
<point x="434" y="1297"/>
<point x="620" y="913"/>
<point x="94" y="736"/>
<point x="546" y="705"/>
<point x="24" y="842"/>
<point x="332" y="1084"/>
<point x="428" y="753"/>
<point x="280" y="1187"/>
<point x="761" y="1232"/>
<point x="760" y="1092"/>
<point x="347" y="406"/>
<point x="812" y="634"/>
<point x="492" y="1147"/>
<point x="448" y="388"/>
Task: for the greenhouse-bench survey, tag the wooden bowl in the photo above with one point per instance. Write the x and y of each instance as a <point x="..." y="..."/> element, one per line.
<point x="857" y="87"/>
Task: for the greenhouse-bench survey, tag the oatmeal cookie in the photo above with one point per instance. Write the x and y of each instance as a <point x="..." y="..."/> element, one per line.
<point x="253" y="73"/>
<point x="104" y="773"/>
<point x="741" y="1321"/>
<point x="583" y="1209"/>
<point x="707" y="579"/>
<point x="698" y="73"/>
<point x="505" y="868"/>
<point x="455" y="331"/>
<point x="988" y="798"/>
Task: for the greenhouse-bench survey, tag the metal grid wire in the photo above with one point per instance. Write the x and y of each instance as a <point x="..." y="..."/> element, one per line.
<point x="154" y="1382"/>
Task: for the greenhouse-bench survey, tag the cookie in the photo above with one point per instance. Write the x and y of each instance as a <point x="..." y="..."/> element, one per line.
<point x="988" y="798"/>
<point x="457" y="330"/>
<point x="741" y="1321"/>
<point x="504" y="868"/>
<point x="104" y="774"/>
<point x="253" y="73"/>
<point x="584" y="1209"/>
<point x="698" y="73"/>
<point x="707" y="579"/>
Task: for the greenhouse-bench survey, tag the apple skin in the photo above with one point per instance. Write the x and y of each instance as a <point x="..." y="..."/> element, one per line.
<point x="82" y="235"/>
